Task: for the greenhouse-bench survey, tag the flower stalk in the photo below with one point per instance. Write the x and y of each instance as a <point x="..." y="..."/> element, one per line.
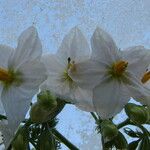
<point x="62" y="139"/>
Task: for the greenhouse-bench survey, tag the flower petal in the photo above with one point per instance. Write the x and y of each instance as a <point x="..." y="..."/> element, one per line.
<point x="29" y="48"/>
<point x="34" y="73"/>
<point x="2" y="111"/>
<point x="16" y="99"/>
<point x="89" y="73"/>
<point x="103" y="47"/>
<point x="8" y="134"/>
<point x="80" y="97"/>
<point x="5" y="54"/>
<point x="53" y="64"/>
<point x="138" y="58"/>
<point x="16" y="104"/>
<point x="84" y="99"/>
<point x="109" y="98"/>
<point x="75" y="46"/>
<point x="138" y="91"/>
<point x="57" y="86"/>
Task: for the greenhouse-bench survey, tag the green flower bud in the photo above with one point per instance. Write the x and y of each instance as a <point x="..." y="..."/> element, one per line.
<point x="138" y="114"/>
<point x="109" y="130"/>
<point x="120" y="142"/>
<point x="47" y="100"/>
<point x="46" y="141"/>
<point x="38" y="114"/>
<point x="20" y="142"/>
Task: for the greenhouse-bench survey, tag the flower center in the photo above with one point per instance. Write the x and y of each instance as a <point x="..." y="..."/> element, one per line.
<point x="70" y="67"/>
<point x="119" y="68"/>
<point x="5" y="76"/>
<point x="66" y="77"/>
<point x="146" y="77"/>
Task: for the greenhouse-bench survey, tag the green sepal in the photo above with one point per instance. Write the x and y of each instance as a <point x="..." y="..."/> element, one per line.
<point x="133" y="134"/>
<point x="38" y="114"/>
<point x="120" y="141"/>
<point x="108" y="130"/>
<point x="47" y="100"/>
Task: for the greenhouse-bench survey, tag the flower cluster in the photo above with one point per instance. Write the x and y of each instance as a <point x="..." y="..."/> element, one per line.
<point x="99" y="78"/>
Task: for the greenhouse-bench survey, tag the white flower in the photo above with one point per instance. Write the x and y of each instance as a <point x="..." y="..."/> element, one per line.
<point x="74" y="49"/>
<point x="113" y="75"/>
<point x="21" y="73"/>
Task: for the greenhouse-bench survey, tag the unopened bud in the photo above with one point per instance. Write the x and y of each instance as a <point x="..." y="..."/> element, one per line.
<point x="120" y="142"/>
<point x="109" y="130"/>
<point x="46" y="141"/>
<point x="38" y="114"/>
<point x="20" y="142"/>
<point x="47" y="100"/>
<point x="138" y="114"/>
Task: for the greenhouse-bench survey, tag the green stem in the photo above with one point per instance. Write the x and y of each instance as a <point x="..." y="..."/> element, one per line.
<point x="94" y="116"/>
<point x="103" y="143"/>
<point x="58" y="109"/>
<point x="64" y="140"/>
<point x="124" y="123"/>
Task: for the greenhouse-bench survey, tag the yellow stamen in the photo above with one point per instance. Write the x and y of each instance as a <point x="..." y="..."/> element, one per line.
<point x="66" y="77"/>
<point x="146" y="77"/>
<point x="119" y="67"/>
<point x="71" y="66"/>
<point x="5" y="76"/>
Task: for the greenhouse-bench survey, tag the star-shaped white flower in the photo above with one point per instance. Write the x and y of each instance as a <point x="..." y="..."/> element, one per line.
<point x="74" y="49"/>
<point x="21" y="73"/>
<point x="112" y="74"/>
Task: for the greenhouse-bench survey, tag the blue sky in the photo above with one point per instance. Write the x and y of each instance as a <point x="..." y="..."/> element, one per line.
<point x="128" y="21"/>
